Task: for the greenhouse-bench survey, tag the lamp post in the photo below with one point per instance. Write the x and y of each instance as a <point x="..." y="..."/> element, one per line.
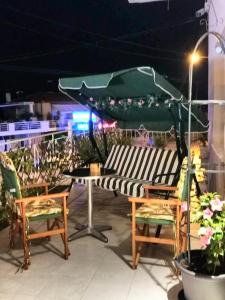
<point x="189" y="167"/>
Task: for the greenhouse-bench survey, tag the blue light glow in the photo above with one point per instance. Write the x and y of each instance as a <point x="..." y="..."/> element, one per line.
<point x="82" y="126"/>
<point x="83" y="117"/>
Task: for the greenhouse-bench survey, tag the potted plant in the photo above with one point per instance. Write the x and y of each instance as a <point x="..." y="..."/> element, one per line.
<point x="204" y="276"/>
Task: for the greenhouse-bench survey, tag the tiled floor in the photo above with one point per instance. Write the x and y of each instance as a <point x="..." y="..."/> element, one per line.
<point x="95" y="270"/>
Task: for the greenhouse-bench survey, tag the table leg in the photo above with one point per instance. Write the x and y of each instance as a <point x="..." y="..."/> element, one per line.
<point x="90" y="204"/>
<point x="90" y="229"/>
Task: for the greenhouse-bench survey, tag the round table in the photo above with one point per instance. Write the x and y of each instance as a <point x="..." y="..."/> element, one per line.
<point x="90" y="228"/>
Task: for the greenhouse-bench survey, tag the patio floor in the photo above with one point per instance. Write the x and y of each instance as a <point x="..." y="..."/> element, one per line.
<point x="95" y="270"/>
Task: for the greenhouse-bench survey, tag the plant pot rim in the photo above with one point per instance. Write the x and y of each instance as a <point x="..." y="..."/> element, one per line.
<point x="181" y="257"/>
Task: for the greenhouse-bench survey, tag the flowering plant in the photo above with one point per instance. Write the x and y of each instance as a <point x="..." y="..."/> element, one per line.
<point x="211" y="217"/>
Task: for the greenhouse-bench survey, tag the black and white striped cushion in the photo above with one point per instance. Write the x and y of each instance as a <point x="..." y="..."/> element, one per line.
<point x="142" y="162"/>
<point x="136" y="166"/>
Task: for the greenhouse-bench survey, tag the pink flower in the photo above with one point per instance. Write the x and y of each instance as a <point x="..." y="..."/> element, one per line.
<point x="205" y="241"/>
<point x="184" y="207"/>
<point x="207" y="233"/>
<point x="216" y="204"/>
<point x="112" y="102"/>
<point x="207" y="213"/>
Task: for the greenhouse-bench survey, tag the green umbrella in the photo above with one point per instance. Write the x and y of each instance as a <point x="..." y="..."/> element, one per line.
<point x="133" y="97"/>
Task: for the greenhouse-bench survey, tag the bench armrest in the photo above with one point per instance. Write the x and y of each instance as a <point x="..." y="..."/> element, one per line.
<point x="163" y="174"/>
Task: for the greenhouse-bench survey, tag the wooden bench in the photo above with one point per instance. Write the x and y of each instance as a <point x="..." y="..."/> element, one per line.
<point x="138" y="166"/>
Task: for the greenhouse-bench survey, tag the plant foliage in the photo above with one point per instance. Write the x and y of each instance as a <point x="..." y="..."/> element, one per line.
<point x="211" y="217"/>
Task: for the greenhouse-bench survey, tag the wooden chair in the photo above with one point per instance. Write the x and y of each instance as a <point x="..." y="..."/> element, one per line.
<point x="156" y="211"/>
<point x="51" y="208"/>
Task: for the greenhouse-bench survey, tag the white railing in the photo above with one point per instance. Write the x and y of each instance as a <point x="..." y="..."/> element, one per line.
<point x="46" y="156"/>
<point x="147" y="135"/>
<point x="140" y="135"/>
<point x="29" y="141"/>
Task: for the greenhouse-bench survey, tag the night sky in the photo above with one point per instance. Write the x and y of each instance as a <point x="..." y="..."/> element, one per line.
<point x="43" y="40"/>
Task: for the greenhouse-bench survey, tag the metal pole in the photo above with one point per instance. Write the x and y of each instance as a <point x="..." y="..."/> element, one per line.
<point x="189" y="167"/>
<point x="189" y="162"/>
<point x="90" y="204"/>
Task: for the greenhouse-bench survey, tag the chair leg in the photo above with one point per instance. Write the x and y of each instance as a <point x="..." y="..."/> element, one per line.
<point x="134" y="266"/>
<point x="64" y="237"/>
<point x="144" y="232"/>
<point x="25" y="247"/>
<point x="176" y="245"/>
<point x="48" y="228"/>
<point x="66" y="247"/>
<point x="12" y="232"/>
<point x="115" y="193"/>
<point x="158" y="230"/>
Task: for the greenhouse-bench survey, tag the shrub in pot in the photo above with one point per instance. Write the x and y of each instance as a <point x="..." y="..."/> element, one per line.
<point x="204" y="277"/>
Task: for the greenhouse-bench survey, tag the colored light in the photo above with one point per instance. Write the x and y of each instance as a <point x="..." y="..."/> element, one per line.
<point x="83" y="117"/>
<point x="107" y="125"/>
<point x="82" y="126"/>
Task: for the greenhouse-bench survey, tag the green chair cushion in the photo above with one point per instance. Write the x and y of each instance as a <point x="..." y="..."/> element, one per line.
<point x="43" y="207"/>
<point x="153" y="221"/>
<point x="45" y="217"/>
<point x="155" y="212"/>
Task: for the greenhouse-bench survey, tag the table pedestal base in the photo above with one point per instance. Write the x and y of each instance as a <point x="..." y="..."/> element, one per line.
<point x="95" y="231"/>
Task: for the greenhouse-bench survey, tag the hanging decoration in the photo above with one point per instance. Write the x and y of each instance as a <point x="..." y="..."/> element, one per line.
<point x="112" y="104"/>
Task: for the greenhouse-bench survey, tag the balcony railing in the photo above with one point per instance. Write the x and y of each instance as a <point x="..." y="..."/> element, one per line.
<point x="27" y="127"/>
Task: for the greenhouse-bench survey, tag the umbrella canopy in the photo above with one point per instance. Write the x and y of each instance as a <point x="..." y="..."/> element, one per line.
<point x="133" y="97"/>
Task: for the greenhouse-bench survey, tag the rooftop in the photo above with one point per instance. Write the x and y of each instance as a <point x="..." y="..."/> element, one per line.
<point x="95" y="270"/>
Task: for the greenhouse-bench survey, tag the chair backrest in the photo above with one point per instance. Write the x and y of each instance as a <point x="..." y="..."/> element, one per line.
<point x="9" y="176"/>
<point x="143" y="162"/>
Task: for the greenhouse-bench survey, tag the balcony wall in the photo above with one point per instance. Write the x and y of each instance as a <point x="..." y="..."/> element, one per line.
<point x="27" y="128"/>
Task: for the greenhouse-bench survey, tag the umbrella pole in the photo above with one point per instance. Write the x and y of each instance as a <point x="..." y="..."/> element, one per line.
<point x="92" y="139"/>
<point x="177" y="139"/>
<point x="184" y="149"/>
<point x="104" y="140"/>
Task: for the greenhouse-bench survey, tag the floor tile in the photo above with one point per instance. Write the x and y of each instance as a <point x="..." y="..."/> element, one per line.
<point x="94" y="270"/>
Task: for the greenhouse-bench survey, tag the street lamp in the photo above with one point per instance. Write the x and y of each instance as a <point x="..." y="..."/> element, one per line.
<point x="195" y="58"/>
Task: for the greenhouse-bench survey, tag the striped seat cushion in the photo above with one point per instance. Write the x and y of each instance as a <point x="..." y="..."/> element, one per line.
<point x="126" y="186"/>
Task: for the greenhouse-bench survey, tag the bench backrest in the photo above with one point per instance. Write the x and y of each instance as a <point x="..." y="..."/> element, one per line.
<point x="143" y="162"/>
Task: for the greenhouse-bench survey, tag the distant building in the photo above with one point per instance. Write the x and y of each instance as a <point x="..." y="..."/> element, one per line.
<point x="16" y="111"/>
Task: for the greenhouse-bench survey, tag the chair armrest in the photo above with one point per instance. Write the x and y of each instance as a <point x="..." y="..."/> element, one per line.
<point x="163" y="174"/>
<point x="155" y="201"/>
<point x="160" y="187"/>
<point x="42" y="197"/>
<point x="34" y="185"/>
